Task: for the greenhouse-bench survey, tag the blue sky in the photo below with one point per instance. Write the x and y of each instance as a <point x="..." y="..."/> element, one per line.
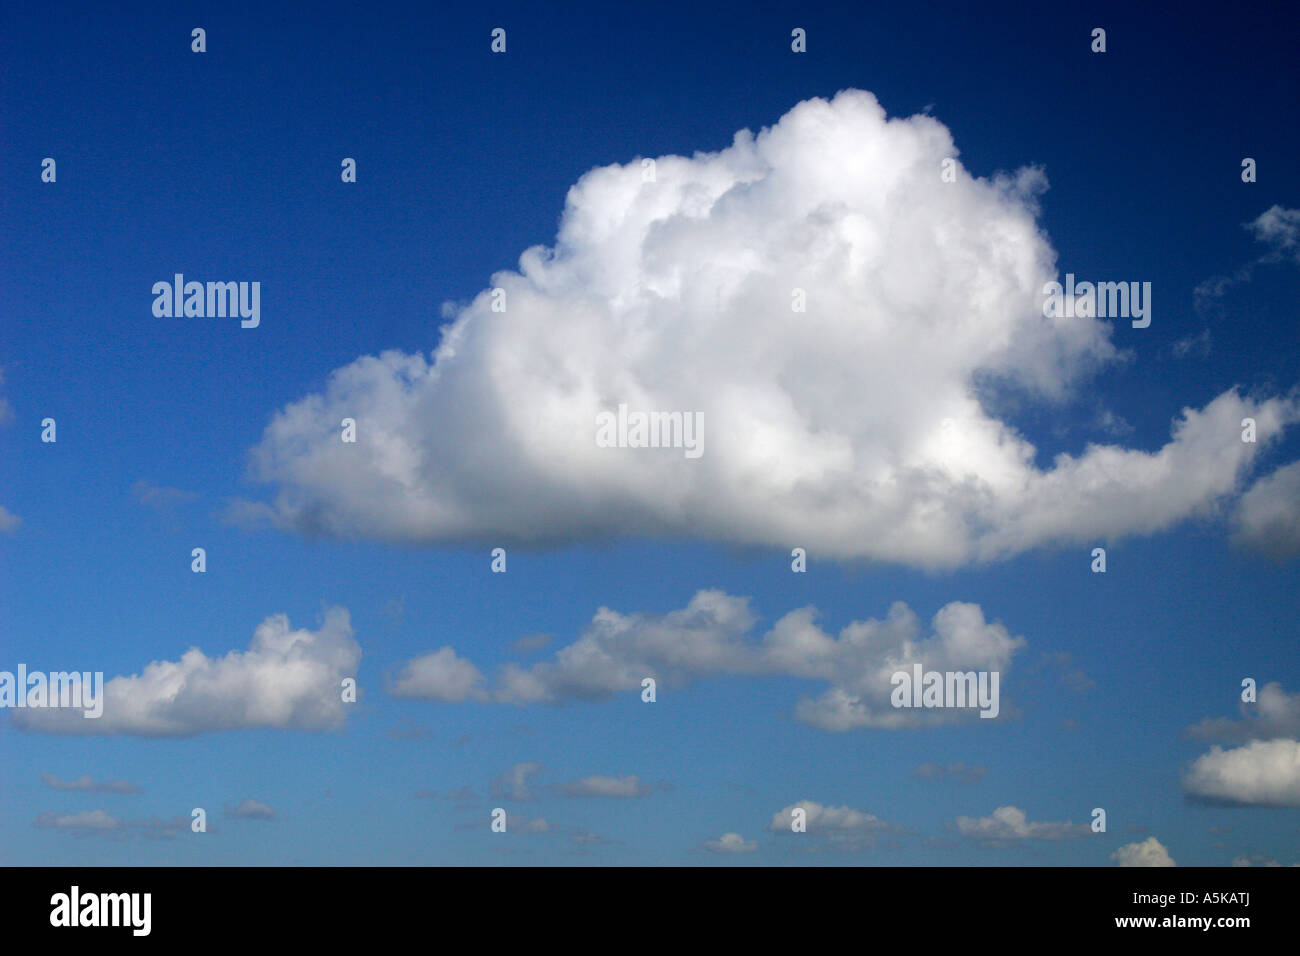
<point x="225" y="165"/>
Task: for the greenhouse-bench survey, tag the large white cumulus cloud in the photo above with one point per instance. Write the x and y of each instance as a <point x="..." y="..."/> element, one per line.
<point x="854" y="428"/>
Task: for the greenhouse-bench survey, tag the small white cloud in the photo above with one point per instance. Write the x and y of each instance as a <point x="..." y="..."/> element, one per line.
<point x="287" y="679"/>
<point x="439" y="676"/>
<point x="251" y="810"/>
<point x="1263" y="773"/>
<point x="1280" y="229"/>
<point x="827" y="819"/>
<point x="1150" y="852"/>
<point x="730" y="843"/>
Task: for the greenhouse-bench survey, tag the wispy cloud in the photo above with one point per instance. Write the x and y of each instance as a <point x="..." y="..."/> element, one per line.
<point x="251" y="810"/>
<point x="86" y="784"/>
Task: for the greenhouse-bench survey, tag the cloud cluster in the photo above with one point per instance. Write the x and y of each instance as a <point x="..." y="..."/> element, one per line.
<point x="1274" y="713"/>
<point x="711" y="636"/>
<point x="287" y="679"/>
<point x="1266" y="770"/>
<point x="1011" y="825"/>
<point x="858" y="427"/>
